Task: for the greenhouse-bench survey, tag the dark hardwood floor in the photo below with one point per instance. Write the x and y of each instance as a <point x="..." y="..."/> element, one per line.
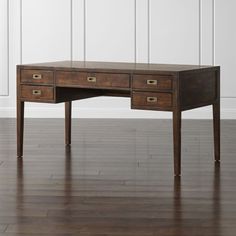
<point x="116" y="179"/>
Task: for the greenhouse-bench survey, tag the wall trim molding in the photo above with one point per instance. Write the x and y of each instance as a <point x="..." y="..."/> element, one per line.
<point x="101" y="113"/>
<point x="85" y="30"/>
<point x="200" y="32"/>
<point x="4" y="91"/>
<point x="71" y="30"/>
<point x="8" y="47"/>
<point x="149" y="31"/>
<point x="213" y="33"/>
<point x="21" y="31"/>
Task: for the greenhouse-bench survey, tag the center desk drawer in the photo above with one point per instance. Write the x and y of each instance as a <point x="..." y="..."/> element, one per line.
<point x="92" y="80"/>
<point x="152" y="82"/>
<point x="36" y="77"/>
<point x="151" y="100"/>
<point x="41" y="93"/>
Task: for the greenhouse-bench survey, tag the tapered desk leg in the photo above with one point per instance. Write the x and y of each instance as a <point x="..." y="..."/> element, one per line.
<point x="20" y="127"/>
<point x="177" y="141"/>
<point x="68" y="123"/>
<point x="216" y="121"/>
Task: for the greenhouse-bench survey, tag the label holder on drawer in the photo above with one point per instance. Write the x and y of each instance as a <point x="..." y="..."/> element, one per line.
<point x="37" y="76"/>
<point x="36" y="92"/>
<point x="152" y="99"/>
<point x="92" y="79"/>
<point x="152" y="82"/>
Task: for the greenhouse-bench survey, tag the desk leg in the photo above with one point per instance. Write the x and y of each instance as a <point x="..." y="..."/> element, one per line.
<point x="216" y="121"/>
<point x="20" y="127"/>
<point x="177" y="141"/>
<point x="68" y="123"/>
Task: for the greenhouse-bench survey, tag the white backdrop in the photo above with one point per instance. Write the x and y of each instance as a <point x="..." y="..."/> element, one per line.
<point x="155" y="31"/>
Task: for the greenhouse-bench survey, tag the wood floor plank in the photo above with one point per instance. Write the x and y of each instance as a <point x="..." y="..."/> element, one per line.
<point x="3" y="228"/>
<point x="116" y="179"/>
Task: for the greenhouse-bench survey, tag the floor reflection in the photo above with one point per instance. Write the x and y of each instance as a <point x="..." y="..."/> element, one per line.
<point x="20" y="189"/>
<point x="117" y="180"/>
<point x="68" y="175"/>
<point x="177" y="209"/>
<point x="216" y="200"/>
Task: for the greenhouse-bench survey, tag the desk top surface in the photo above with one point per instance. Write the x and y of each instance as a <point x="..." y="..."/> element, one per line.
<point x="117" y="66"/>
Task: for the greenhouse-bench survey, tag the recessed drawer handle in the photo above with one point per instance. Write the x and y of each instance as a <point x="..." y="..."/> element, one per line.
<point x="152" y="81"/>
<point x="37" y="76"/>
<point x="36" y="92"/>
<point x="151" y="99"/>
<point x="91" y="79"/>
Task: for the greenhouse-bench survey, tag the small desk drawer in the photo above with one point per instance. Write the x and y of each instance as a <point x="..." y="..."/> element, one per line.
<point x="93" y="80"/>
<point x="36" y="77"/>
<point x="41" y="93"/>
<point x="152" y="82"/>
<point x="151" y="100"/>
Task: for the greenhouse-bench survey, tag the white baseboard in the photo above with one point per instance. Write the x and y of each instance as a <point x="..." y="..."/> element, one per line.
<point x="58" y="112"/>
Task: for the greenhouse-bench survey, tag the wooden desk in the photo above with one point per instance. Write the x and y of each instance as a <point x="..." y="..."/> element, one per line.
<point x="174" y="88"/>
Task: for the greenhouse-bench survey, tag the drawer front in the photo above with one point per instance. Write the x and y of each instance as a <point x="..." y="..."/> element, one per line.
<point x="36" y="77"/>
<point x="148" y="100"/>
<point x="43" y="93"/>
<point x="93" y="80"/>
<point x="152" y="82"/>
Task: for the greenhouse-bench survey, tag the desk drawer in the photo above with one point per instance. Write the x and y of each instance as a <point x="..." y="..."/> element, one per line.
<point x="152" y="82"/>
<point x="41" y="93"/>
<point x="92" y="80"/>
<point x="37" y="77"/>
<point x="149" y="100"/>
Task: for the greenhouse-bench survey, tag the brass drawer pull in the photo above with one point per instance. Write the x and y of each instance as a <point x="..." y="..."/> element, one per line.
<point x="36" y="92"/>
<point x="37" y="76"/>
<point x="151" y="99"/>
<point x="152" y="81"/>
<point x="91" y="79"/>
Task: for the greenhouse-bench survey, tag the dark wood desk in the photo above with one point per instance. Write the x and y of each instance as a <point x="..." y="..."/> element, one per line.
<point x="174" y="88"/>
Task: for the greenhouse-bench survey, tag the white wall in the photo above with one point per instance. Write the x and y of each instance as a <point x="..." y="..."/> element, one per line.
<point x="4" y="36"/>
<point x="155" y="31"/>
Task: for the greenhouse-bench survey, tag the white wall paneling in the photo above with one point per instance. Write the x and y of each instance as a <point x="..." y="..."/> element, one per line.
<point x="174" y="31"/>
<point x="142" y="28"/>
<point x="4" y="43"/>
<point x="207" y="32"/>
<point x="225" y="47"/>
<point x="110" y="30"/>
<point x="78" y="30"/>
<point x="46" y="30"/>
<point x="14" y="47"/>
<point x="159" y="31"/>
